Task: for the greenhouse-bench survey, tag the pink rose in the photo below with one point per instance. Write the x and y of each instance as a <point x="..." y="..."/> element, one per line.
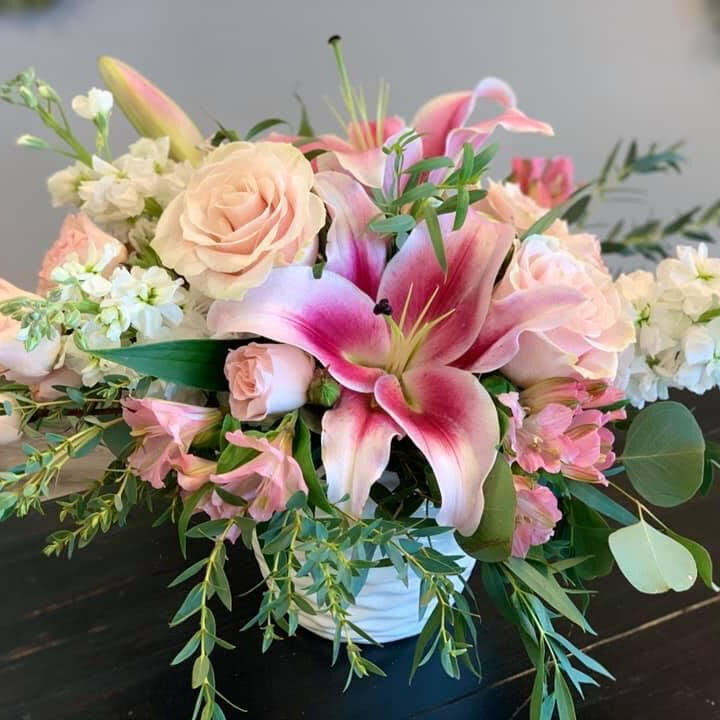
<point x="548" y="181"/>
<point x="267" y="481"/>
<point x="556" y="426"/>
<point x="267" y="378"/>
<point x="15" y="362"/>
<point x="9" y="424"/>
<point x="167" y="430"/>
<point x="536" y="515"/>
<point x="83" y="241"/>
<point x="584" y="342"/>
<point x="247" y="209"/>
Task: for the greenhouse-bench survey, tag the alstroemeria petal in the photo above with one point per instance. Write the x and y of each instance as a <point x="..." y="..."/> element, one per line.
<point x="474" y="255"/>
<point x="451" y="418"/>
<point x="355" y="447"/>
<point x="526" y="310"/>
<point x="353" y="250"/>
<point x="328" y="317"/>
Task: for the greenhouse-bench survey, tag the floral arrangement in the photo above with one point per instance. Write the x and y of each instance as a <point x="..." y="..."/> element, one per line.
<point x="348" y="350"/>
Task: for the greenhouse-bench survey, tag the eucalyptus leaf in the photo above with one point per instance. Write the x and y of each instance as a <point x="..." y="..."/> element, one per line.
<point x="492" y="541"/>
<point x="664" y="454"/>
<point x="598" y="500"/>
<point x="651" y="561"/>
<point x="703" y="561"/>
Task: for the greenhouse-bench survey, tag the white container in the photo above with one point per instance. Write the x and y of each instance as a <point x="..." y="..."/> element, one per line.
<point x="385" y="608"/>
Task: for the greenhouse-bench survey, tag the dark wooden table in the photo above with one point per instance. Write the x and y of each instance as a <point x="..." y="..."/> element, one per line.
<point x="89" y="639"/>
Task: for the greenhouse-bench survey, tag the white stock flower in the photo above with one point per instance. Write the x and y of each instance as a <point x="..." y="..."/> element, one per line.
<point x="677" y="332"/>
<point x="96" y="102"/>
<point x="117" y="191"/>
<point x="151" y="299"/>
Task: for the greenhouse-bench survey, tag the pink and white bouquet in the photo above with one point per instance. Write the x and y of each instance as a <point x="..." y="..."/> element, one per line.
<point x="370" y="362"/>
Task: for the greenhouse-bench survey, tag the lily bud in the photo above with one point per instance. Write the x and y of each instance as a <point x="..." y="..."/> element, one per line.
<point x="150" y="110"/>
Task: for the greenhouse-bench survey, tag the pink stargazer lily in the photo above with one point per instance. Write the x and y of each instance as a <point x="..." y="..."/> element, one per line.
<point x="441" y="123"/>
<point x="398" y="370"/>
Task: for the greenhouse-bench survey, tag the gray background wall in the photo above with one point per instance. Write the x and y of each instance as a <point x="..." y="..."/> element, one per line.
<point x="597" y="71"/>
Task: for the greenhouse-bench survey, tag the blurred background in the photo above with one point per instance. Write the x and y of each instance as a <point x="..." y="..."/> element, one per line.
<point x="598" y="72"/>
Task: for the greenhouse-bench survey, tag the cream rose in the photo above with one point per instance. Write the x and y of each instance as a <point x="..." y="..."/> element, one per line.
<point x="15" y="361"/>
<point x="589" y="339"/>
<point x="247" y="209"/>
<point x="83" y="241"/>
<point x="9" y="424"/>
<point x="267" y="378"/>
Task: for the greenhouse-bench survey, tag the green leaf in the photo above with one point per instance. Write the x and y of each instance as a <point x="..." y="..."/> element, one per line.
<point x="702" y="558"/>
<point x="222" y="585"/>
<point x="87" y="447"/>
<point x="305" y="129"/>
<point x="233" y="456"/>
<point x="264" y="125"/>
<point x="577" y="210"/>
<point x="419" y="192"/>
<point x="463" y="203"/>
<point x="200" y="670"/>
<point x="538" y="691"/>
<point x="429" y="629"/>
<point x="436" y="238"/>
<point x="598" y="500"/>
<point x="664" y="454"/>
<point x="392" y="225"/>
<point x="492" y="541"/>
<point x="584" y="658"/>
<point x="543" y="223"/>
<point x="189" y="572"/>
<point x="651" y="561"/>
<point x="189" y="506"/>
<point x="190" y="647"/>
<point x="190" y="606"/>
<point x="117" y="438"/>
<point x="302" y="452"/>
<point x="565" y="704"/>
<point x="428" y="164"/>
<point x="548" y="589"/>
<point x="590" y="537"/>
<point x="195" y="363"/>
<point x="209" y="529"/>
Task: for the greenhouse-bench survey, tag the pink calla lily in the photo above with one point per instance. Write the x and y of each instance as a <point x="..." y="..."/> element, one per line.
<point x="393" y="343"/>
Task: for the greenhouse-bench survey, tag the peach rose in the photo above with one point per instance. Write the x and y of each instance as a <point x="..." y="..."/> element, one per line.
<point x="83" y="241"/>
<point x="15" y="361"/>
<point x="9" y="424"/>
<point x="45" y="391"/>
<point x="507" y="203"/>
<point x="588" y="342"/>
<point x="247" y="209"/>
<point x="267" y="378"/>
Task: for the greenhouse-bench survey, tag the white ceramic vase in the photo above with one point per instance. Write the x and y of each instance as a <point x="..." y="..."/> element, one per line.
<point x="385" y="608"/>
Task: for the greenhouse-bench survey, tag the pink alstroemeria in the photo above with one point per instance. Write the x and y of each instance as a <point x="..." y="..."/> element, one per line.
<point x="556" y="426"/>
<point x="548" y="181"/>
<point x="167" y="429"/>
<point x="441" y="123"/>
<point x="391" y="335"/>
<point x="536" y="515"/>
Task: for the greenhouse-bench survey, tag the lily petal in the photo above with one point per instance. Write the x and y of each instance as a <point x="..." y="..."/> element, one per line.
<point x="460" y="294"/>
<point x="443" y="114"/>
<point x="451" y="418"/>
<point x="150" y="110"/>
<point x="512" y="120"/>
<point x="526" y="310"/>
<point x="328" y="317"/>
<point x="356" y="442"/>
<point x="353" y="250"/>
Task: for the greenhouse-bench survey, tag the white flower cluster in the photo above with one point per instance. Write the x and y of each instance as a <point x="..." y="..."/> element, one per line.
<point x="96" y="102"/>
<point x="677" y="319"/>
<point x="148" y="301"/>
<point x="112" y="192"/>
